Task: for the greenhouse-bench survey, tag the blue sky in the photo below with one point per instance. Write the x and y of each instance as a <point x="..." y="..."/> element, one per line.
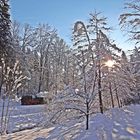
<point x="62" y="14"/>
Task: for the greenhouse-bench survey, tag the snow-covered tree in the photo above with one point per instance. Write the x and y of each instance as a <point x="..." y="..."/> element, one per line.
<point x="130" y="20"/>
<point x="5" y="35"/>
<point x="93" y="38"/>
<point x="77" y="101"/>
<point x="6" y="50"/>
<point x="13" y="80"/>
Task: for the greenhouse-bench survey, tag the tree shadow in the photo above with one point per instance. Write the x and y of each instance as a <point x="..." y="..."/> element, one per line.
<point x="40" y="138"/>
<point x="126" y="125"/>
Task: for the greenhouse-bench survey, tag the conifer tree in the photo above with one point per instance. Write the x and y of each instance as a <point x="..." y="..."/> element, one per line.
<point x="5" y="35"/>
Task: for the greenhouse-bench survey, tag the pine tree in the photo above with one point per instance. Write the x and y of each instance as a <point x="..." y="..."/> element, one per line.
<point x="6" y="50"/>
<point x="5" y="35"/>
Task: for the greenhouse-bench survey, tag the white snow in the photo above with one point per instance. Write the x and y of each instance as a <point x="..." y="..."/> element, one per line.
<point x="24" y="116"/>
<point x="116" y="124"/>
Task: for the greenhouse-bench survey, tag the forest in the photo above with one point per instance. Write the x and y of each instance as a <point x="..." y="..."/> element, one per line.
<point x="92" y="75"/>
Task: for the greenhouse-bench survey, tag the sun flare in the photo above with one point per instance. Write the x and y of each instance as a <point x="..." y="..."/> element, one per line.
<point x="109" y="63"/>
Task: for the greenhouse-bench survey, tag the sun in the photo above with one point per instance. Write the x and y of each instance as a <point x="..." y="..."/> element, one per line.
<point x="109" y="63"/>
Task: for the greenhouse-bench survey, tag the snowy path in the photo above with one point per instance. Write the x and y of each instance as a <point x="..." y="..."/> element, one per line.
<point x="27" y="135"/>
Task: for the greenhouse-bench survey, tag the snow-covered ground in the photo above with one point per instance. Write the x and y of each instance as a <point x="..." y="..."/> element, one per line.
<point x="116" y="124"/>
<point x="23" y="116"/>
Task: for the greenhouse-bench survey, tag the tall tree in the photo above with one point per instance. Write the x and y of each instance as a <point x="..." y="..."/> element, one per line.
<point x="93" y="37"/>
<point x="130" y="20"/>
<point x="5" y="35"/>
<point x="6" y="50"/>
<point x="13" y="79"/>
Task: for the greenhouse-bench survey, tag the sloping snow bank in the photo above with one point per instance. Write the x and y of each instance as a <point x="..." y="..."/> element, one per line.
<point x="116" y="124"/>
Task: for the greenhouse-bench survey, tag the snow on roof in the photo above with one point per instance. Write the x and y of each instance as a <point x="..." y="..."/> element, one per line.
<point x="42" y="94"/>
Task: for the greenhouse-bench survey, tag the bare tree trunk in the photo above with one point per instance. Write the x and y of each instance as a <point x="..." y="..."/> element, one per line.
<point x="40" y="83"/>
<point x="2" y="114"/>
<point x="116" y="91"/>
<point x="56" y="87"/>
<point x="66" y="73"/>
<point x="1" y="83"/>
<point x="6" y="116"/>
<point x="111" y="94"/>
<point x="47" y="80"/>
<point x="1" y="89"/>
<point x="87" y="116"/>
<point x="73" y="78"/>
<point x="99" y="89"/>
<point x="40" y="71"/>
